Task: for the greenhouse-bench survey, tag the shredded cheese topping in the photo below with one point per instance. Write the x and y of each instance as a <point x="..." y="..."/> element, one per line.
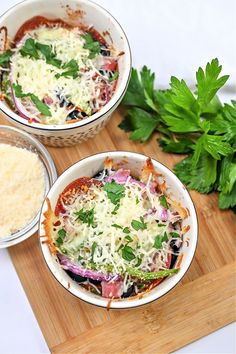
<point x="42" y="79"/>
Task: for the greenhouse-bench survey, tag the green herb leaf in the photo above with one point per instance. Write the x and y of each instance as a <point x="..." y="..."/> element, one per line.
<point x="138" y="225"/>
<point x="86" y="216"/>
<point x="209" y="82"/>
<point x="90" y="44"/>
<point x="126" y="230"/>
<point x="163" y="201"/>
<point x="29" y="49"/>
<point x="117" y="226"/>
<point x="174" y="234"/>
<point x="128" y="253"/>
<point x="140" y="122"/>
<point x="114" y="212"/>
<point x="139" y="261"/>
<point x="180" y="146"/>
<point x="93" y="248"/>
<point x="128" y="238"/>
<point x="62" y="233"/>
<point x="5" y="57"/>
<point x="114" y="76"/>
<point x="42" y="107"/>
<point x="115" y="191"/>
<point x="159" y="239"/>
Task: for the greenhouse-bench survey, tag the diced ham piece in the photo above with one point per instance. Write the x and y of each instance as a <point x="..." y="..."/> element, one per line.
<point x="112" y="289"/>
<point x="48" y="100"/>
<point x="109" y="64"/>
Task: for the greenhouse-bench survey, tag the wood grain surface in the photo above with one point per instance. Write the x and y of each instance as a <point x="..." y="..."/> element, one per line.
<point x="204" y="300"/>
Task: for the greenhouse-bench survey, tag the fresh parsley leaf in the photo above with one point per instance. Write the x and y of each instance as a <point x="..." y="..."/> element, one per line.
<point x="114" y="76"/>
<point x="128" y="253"/>
<point x="140" y="122"/>
<point x="72" y="69"/>
<point x="201" y="178"/>
<point x="115" y="191"/>
<point x="209" y="82"/>
<point x="59" y="241"/>
<point x="139" y="225"/>
<point x="163" y="201"/>
<point x="62" y="233"/>
<point x="126" y="230"/>
<point x="139" y="261"/>
<point x="228" y="200"/>
<point x="159" y="239"/>
<point x="47" y="52"/>
<point x="117" y="226"/>
<point x="225" y="123"/>
<point x="86" y="216"/>
<point x="227" y="174"/>
<point x="182" y="96"/>
<point x="181" y="146"/>
<point x="114" y="211"/>
<point x="128" y="238"/>
<point x="42" y="107"/>
<point x="29" y="49"/>
<point x="174" y="234"/>
<point x="93" y="248"/>
<point x="135" y="95"/>
<point x="5" y="57"/>
<point x="92" y="45"/>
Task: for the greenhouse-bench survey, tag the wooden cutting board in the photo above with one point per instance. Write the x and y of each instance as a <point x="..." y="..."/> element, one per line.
<point x="203" y="302"/>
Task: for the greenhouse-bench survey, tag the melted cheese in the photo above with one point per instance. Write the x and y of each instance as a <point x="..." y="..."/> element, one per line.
<point x="39" y="78"/>
<point x="21" y="188"/>
<point x="81" y="237"/>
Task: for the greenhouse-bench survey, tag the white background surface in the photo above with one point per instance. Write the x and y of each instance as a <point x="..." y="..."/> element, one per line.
<point x="172" y="37"/>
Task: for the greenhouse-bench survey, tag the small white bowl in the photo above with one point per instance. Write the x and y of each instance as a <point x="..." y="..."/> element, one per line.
<point x="88" y="13"/>
<point x="18" y="138"/>
<point x="89" y="167"/>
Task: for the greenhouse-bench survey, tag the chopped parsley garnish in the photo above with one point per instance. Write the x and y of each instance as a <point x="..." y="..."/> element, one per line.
<point x="115" y="191"/>
<point x="163" y="201"/>
<point x="128" y="253"/>
<point x="92" y="45"/>
<point x="159" y="240"/>
<point x="139" y="261"/>
<point x="126" y="230"/>
<point x="94" y="246"/>
<point x="86" y="216"/>
<point x="5" y="57"/>
<point x="128" y="238"/>
<point x="114" y="76"/>
<point x="117" y="226"/>
<point x="72" y="69"/>
<point x="61" y="235"/>
<point x="139" y="225"/>
<point x="29" y="49"/>
<point x="42" y="107"/>
<point x="174" y="234"/>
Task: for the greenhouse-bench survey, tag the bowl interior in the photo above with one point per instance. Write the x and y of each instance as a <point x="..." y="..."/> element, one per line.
<point x="74" y="12"/>
<point x="89" y="167"/>
<point x="15" y="137"/>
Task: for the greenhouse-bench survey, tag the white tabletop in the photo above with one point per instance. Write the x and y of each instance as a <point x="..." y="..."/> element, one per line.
<point x="172" y="37"/>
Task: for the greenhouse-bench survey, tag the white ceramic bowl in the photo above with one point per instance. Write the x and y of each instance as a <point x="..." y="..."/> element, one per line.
<point x="92" y="14"/>
<point x="16" y="137"/>
<point x="89" y="167"/>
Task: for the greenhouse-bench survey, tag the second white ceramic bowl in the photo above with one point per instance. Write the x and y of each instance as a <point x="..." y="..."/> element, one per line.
<point x="75" y="12"/>
<point x="89" y="167"/>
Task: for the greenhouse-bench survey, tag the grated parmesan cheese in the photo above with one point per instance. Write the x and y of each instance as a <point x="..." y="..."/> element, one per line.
<point x="21" y="188"/>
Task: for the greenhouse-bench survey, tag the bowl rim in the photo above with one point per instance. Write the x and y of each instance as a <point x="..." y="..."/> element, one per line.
<point x="115" y="303"/>
<point x="105" y="110"/>
<point x="30" y="228"/>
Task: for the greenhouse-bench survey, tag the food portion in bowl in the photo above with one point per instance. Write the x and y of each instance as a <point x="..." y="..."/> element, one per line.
<point x="117" y="234"/>
<point x="56" y="73"/>
<point x="22" y="188"/>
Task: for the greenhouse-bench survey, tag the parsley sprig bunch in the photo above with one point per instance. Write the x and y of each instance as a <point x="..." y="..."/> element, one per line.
<point x="193" y="123"/>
